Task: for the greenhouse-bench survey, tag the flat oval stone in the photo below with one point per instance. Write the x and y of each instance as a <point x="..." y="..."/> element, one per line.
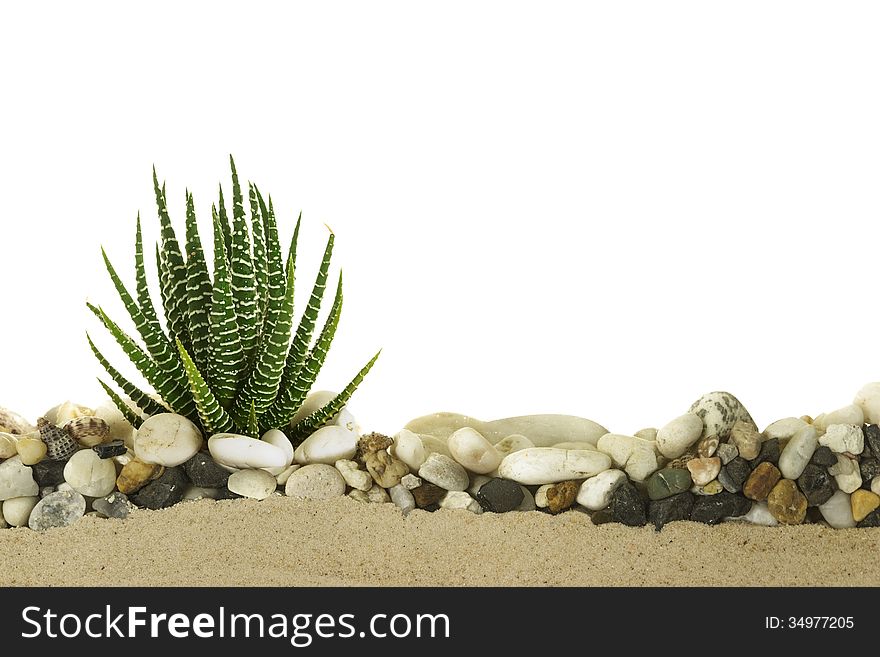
<point x="676" y="436"/>
<point x="473" y="452"/>
<point x="784" y="429"/>
<point x="797" y="453"/>
<point x="548" y="465"/>
<point x="595" y="493"/>
<point x="237" y="451"/>
<point x="17" y="510"/>
<point x="851" y="414"/>
<point x="668" y="482"/>
<point x="167" y="439"/>
<point x="514" y="443"/>
<point x="316" y="481"/>
<point x="444" y="472"/>
<point x="256" y="484"/>
<point x="59" y="509"/>
<point x="327" y="445"/>
<point x="89" y="474"/>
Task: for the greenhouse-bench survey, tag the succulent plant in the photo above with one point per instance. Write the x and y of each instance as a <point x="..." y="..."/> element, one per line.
<point x="228" y="358"/>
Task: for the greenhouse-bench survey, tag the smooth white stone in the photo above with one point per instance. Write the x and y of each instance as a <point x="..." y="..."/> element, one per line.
<point x="759" y="514"/>
<point x="846" y="473"/>
<point x="473" y="452"/>
<point x="443" y="471"/>
<point x="316" y="481"/>
<point x="120" y="428"/>
<point x="345" y="419"/>
<point x="256" y="484"/>
<point x="595" y="493"/>
<point x="409" y="448"/>
<point x="843" y="438"/>
<point x="784" y="429"/>
<point x="17" y="510"/>
<point x="7" y="445"/>
<point x="327" y="445"/>
<point x="851" y="414"/>
<point x="677" y="435"/>
<point x="194" y="493"/>
<point x="868" y="399"/>
<point x="637" y="457"/>
<point x="16" y="480"/>
<point x="354" y="477"/>
<point x="649" y="433"/>
<point x="89" y="474"/>
<point x="285" y="474"/>
<point x="402" y="498"/>
<point x="410" y="481"/>
<point x="837" y="511"/>
<point x="576" y="444"/>
<point x="235" y="451"/>
<point x="277" y="438"/>
<point x="167" y="439"/>
<point x="541" y="500"/>
<point x="798" y="452"/>
<point x="460" y="500"/>
<point x="513" y="443"/>
<point x="547" y="465"/>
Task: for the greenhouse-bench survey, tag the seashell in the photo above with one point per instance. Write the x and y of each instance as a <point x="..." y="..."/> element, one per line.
<point x="65" y="412"/>
<point x="88" y="431"/>
<point x="14" y="423"/>
<point x="59" y="445"/>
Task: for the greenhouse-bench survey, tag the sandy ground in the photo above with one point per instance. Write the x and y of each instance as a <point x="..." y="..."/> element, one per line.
<point x="287" y="542"/>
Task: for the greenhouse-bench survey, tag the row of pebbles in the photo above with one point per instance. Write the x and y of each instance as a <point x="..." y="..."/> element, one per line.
<point x="711" y="464"/>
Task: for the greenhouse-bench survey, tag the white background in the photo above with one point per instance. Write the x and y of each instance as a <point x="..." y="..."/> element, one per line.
<point x="602" y="209"/>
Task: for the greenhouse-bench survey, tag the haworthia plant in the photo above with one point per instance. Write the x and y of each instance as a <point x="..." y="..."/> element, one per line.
<point x="228" y="358"/>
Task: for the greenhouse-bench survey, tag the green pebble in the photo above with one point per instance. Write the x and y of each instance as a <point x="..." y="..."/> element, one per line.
<point x="668" y="482"/>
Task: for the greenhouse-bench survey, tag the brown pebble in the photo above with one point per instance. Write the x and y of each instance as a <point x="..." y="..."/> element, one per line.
<point x="385" y="470"/>
<point x="561" y="496"/>
<point x="135" y="475"/>
<point x="761" y="481"/>
<point x="747" y="439"/>
<point x="707" y="446"/>
<point x="786" y="503"/>
<point x="428" y="494"/>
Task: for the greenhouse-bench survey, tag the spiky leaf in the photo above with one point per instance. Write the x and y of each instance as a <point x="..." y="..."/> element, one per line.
<point x="133" y="418"/>
<point x="143" y="401"/>
<point x="144" y="300"/>
<point x="198" y="289"/>
<point x="224" y="224"/>
<point x="261" y="265"/>
<point x="214" y="418"/>
<point x="175" y="268"/>
<point x="243" y="285"/>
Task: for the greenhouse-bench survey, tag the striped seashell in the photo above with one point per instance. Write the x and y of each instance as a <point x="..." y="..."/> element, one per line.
<point x="59" y="445"/>
<point x="681" y="461"/>
<point x="14" y="423"/>
<point x="88" y="431"/>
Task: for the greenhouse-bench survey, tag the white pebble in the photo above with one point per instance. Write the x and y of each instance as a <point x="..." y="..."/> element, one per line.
<point x="548" y="465"/>
<point x="844" y="438"/>
<point x="595" y="493"/>
<point x="798" y="452"/>
<point x="89" y="474"/>
<point x="676" y="436"/>
<point x="837" y="511"/>
<point x="236" y="451"/>
<point x="444" y="472"/>
<point x="784" y="429"/>
<point x="846" y="473"/>
<point x="282" y="478"/>
<point x="456" y="499"/>
<point x="16" y="480"/>
<point x="316" y="481"/>
<point x="541" y="500"/>
<point x="472" y="451"/>
<point x="759" y="514"/>
<point x="513" y="443"/>
<point x="167" y="439"/>
<point x="354" y="477"/>
<point x="256" y="484"/>
<point x="409" y="448"/>
<point x="327" y="445"/>
<point x="277" y="438"/>
<point x="875" y="485"/>
<point x="636" y="456"/>
<point x="851" y="414"/>
<point x="410" y="481"/>
<point x="17" y="510"/>
<point x="402" y="498"/>
<point x="868" y="399"/>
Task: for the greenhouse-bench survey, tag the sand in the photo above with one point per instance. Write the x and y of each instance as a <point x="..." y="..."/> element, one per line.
<point x="287" y="542"/>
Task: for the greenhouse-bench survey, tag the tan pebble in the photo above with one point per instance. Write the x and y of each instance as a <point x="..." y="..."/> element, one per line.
<point x="562" y="495"/>
<point x="747" y="440"/>
<point x="31" y="450"/>
<point x="135" y="474"/>
<point x="863" y="503"/>
<point x="384" y="468"/>
<point x="712" y="488"/>
<point x="704" y="470"/>
<point x="761" y="481"/>
<point x="7" y="445"/>
<point x="786" y="503"/>
<point x="707" y="446"/>
<point x="372" y="442"/>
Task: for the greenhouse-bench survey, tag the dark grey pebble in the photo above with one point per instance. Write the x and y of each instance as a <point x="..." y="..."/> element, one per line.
<point x="111" y="449"/>
<point x="733" y="475"/>
<point x="816" y="484"/>
<point x="712" y="509"/>
<point x="769" y="453"/>
<point x="869" y="468"/>
<point x="165" y="491"/>
<point x="500" y="495"/>
<point x="870" y="520"/>
<point x="677" y="507"/>
<point x="872" y="438"/>
<point x="204" y="472"/>
<point x="627" y="506"/>
<point x="48" y="473"/>
<point x="115" y="505"/>
<point x="823" y="457"/>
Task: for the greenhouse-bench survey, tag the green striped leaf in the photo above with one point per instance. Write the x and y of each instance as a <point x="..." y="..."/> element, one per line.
<point x="143" y="401"/>
<point x="214" y="418"/>
<point x="198" y="289"/>
<point x="243" y="285"/>
<point x="253" y="426"/>
<point x="224" y="224"/>
<point x="133" y="418"/>
<point x="175" y="268"/>
<point x="145" y="301"/>
<point x="261" y="265"/>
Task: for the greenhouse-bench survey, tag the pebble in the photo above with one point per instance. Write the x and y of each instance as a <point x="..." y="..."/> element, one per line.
<point x="761" y="481"/>
<point x="410" y="481"/>
<point x="473" y="451"/>
<point x="844" y="438"/>
<point x="255" y="484"/>
<point x="769" y="453"/>
<point x="284" y="475"/>
<point x="204" y="471"/>
<point x="316" y="481"/>
<point x="719" y="411"/>
<point x="706" y="447"/>
<point x="548" y="465"/>
<point x="576" y="444"/>
<point x="512" y="443"/>
<point x="668" y="482"/>
<point x="823" y="456"/>
<point x="409" y="448"/>
<point x="167" y="439"/>
<point x="846" y="473"/>
<point x="402" y="498"/>
<point x="89" y="474"/>
<point x="872" y="438"/>
<point x="17" y="510"/>
<point x="277" y="438"/>
<point x="354" y="477"/>
<point x="648" y="433"/>
<point x="561" y="496"/>
<point x="16" y="479"/>
<point x="875" y="485"/>
<point x="7" y="445"/>
<point x="712" y="488"/>
<point x="704" y="470"/>
<point x="30" y="450"/>
<point x="428" y="496"/>
<point x="135" y="475"/>
<point x="727" y="452"/>
<point x="59" y="509"/>
<point x="816" y="485"/>
<point x="670" y="509"/>
<point x="500" y="495"/>
<point x="541" y="496"/>
<point x="48" y="473"/>
<point x="869" y="468"/>
<point x="798" y="452"/>
<point x="676" y="436"/>
<point x="733" y="475"/>
<point x="476" y="481"/>
<point x="119" y="426"/>
<point x="784" y="428"/>
<point x="376" y="495"/>
<point x="114" y="505"/>
<point x="111" y="449"/>
<point x="327" y="445"/>
<point x="872" y="520"/>
<point x="596" y="492"/>
<point x="837" y="511"/>
<point x="759" y="514"/>
<point x="460" y="500"/>
<point x="868" y="399"/>
<point x="787" y="504"/>
<point x="528" y="501"/>
<point x="746" y="438"/>
<point x="863" y="502"/>
<point x="442" y="471"/>
<point x="386" y="470"/>
<point x="851" y="414"/>
<point x="236" y="451"/>
<point x="164" y="491"/>
<point x="712" y="509"/>
<point x="637" y="457"/>
<point x="627" y="506"/>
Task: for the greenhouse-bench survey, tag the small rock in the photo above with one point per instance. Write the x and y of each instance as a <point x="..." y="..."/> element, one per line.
<point x="675" y="437"/>
<point x="851" y="414"/>
<point x="376" y="495"/>
<point x="59" y="509"/>
<point x="868" y="399"/>
<point x="255" y="484"/>
<point x="549" y="465"/>
<point x="719" y="411"/>
<point x="444" y="472"/>
<point x="111" y="449"/>
<point x="164" y="491"/>
<point x="648" y="433"/>
<point x="282" y="477"/>
<point x="824" y="457"/>
<point x="727" y="452"/>
<point x="733" y="475"/>
<point x="410" y="481"/>
<point x="194" y="493"/>
<point x="846" y="473"/>
<point x="761" y="482"/>
<point x="372" y="442"/>
<point x="428" y="495"/>
<point x="863" y="503"/>
<point x="89" y="474"/>
<point x="712" y="509"/>
<point x="746" y="438"/>
<point x="837" y="511"/>
<point x="204" y="471"/>
<point x="798" y="452"/>
<point x="601" y="517"/>
<point x="386" y="470"/>
<point x="327" y="445"/>
<point x="353" y="476"/>
<point x="167" y="439"/>
<point x="317" y="481"/>
<point x="30" y="450"/>
<point x="541" y="496"/>
<point x="871" y="520"/>
<point x="457" y="499"/>
<point x="668" y="482"/>
<point x="528" y="501"/>
<point x="704" y="469"/>
<point x="677" y="507"/>
<point x="875" y="485"/>
<point x="627" y="506"/>
<point x="872" y="438"/>
<point x="279" y="439"/>
<point x="706" y="447"/>
<point x="114" y="505"/>
<point x="637" y="457"/>
<point x="784" y="429"/>
<point x="135" y="475"/>
<point x="787" y="504"/>
<point x="769" y="453"/>
<point x="402" y="498"/>
<point x="473" y="452"/>
<point x="7" y="444"/>
<point x="595" y="493"/>
<point x="236" y="451"/>
<point x="46" y="490"/>
<point x="712" y="488"/>
<point x="844" y="438"/>
<point x="500" y="495"/>
<point x="561" y="496"/>
<point x="17" y="510"/>
<point x="16" y="480"/>
<point x="816" y="485"/>
<point x="869" y="468"/>
<point x="759" y="514"/>
<point x="409" y="448"/>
